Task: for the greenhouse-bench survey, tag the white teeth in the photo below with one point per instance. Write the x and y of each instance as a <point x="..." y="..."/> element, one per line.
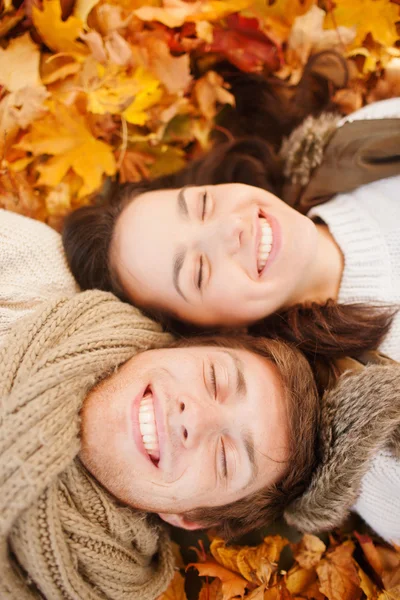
<point x="148" y="429"/>
<point x="265" y="244"/>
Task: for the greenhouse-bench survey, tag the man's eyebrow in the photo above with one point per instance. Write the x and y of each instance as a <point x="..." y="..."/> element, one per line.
<point x="182" y="204"/>
<point x="179" y="259"/>
<point x="241" y="387"/>
<point x="249" y="446"/>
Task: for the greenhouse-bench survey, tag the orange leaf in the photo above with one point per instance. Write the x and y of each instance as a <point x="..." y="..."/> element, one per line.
<point x="308" y="551"/>
<point x="232" y="584"/>
<point x="338" y="575"/>
<point x="256" y="564"/>
<point x="211" y="591"/>
<point x="371" y="553"/>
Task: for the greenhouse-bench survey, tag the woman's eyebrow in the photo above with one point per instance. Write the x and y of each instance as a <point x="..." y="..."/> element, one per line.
<point x="182" y="204"/>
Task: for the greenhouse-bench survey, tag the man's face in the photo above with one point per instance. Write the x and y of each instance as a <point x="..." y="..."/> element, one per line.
<point x="182" y="428"/>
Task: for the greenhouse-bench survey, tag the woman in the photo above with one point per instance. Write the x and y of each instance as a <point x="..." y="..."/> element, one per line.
<point x="233" y="255"/>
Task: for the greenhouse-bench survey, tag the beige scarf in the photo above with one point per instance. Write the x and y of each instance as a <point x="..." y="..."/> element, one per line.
<point x="62" y="536"/>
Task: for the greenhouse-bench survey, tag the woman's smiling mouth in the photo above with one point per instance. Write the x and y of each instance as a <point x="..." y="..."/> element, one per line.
<point x="265" y="244"/>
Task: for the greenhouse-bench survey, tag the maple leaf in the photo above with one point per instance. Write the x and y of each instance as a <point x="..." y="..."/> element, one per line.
<point x="18" y="110"/>
<point x="19" y="64"/>
<point x="18" y="195"/>
<point x="338" y="575"/>
<point x="63" y="134"/>
<point x="308" y="552"/>
<point x="54" y="67"/>
<point x="57" y="34"/>
<point x="256" y="564"/>
<point x="232" y="584"/>
<point x="307" y="35"/>
<point x="367" y="586"/>
<point x="134" y="166"/>
<point x="174" y="13"/>
<point x="175" y="590"/>
<point x="210" y="90"/>
<point x="211" y="591"/>
<point x="247" y="48"/>
<point x="278" y="17"/>
<point x="377" y="17"/>
<point x="173" y="72"/>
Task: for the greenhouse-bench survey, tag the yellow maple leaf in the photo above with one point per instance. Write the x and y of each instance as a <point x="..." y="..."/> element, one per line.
<point x="377" y="17"/>
<point x="63" y="134"/>
<point x="19" y="64"/>
<point x="277" y="19"/>
<point x="174" y="13"/>
<point x="116" y="92"/>
<point x="57" y="34"/>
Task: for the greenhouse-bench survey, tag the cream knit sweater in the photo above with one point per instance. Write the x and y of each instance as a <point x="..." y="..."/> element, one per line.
<point x="33" y="267"/>
<point x="366" y="226"/>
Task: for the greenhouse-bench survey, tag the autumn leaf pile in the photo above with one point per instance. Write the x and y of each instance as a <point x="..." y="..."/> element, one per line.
<point x="91" y="90"/>
<point x="346" y="570"/>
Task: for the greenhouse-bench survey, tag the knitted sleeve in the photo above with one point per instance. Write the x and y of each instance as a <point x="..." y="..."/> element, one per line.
<point x="378" y="503"/>
<point x="32" y="267"/>
<point x="377" y="110"/>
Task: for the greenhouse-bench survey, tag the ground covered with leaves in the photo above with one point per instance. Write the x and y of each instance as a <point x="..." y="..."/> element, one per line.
<point x="91" y="91"/>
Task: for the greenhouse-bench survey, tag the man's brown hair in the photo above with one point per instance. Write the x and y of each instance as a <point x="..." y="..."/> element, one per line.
<point x="301" y="397"/>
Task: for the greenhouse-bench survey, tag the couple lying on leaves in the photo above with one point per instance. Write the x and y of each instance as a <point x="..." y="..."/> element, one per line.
<point x="102" y="409"/>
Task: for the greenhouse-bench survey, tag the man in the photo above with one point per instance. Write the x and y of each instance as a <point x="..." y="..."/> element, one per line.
<point x="201" y="434"/>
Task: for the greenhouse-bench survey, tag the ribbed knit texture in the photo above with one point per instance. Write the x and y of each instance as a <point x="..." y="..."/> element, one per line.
<point x="33" y="267"/>
<point x="60" y="531"/>
<point x="366" y="226"/>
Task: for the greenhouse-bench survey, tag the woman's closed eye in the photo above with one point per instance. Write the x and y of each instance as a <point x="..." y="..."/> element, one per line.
<point x="224" y="464"/>
<point x="204" y="199"/>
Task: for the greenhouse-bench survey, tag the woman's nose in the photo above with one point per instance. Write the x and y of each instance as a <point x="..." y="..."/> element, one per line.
<point x="225" y="232"/>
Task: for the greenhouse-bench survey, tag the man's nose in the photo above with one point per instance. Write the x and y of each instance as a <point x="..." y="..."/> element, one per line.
<point x="193" y="420"/>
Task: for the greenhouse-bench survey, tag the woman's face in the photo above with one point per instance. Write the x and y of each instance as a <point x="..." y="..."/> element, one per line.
<point x="182" y="428"/>
<point x="227" y="254"/>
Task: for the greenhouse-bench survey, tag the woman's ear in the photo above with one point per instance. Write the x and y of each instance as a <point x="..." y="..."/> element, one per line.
<point x="179" y="521"/>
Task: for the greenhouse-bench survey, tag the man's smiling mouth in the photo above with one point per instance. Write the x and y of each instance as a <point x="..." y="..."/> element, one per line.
<point x="148" y="426"/>
<point x="265" y="245"/>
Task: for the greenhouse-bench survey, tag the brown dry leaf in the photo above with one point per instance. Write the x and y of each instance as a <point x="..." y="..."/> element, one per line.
<point x="210" y="90"/>
<point x="212" y="591"/>
<point x="56" y="67"/>
<point x="10" y="20"/>
<point x="256" y="563"/>
<point x="308" y="552"/>
<point x="19" y="64"/>
<point x="308" y="36"/>
<point x="174" y="13"/>
<point x="367" y="586"/>
<point x="232" y="584"/>
<point x="390" y="560"/>
<point x="349" y="99"/>
<point x="59" y="35"/>
<point x="377" y="17"/>
<point x="134" y="165"/>
<point x="118" y="50"/>
<point x="173" y="72"/>
<point x="18" y="110"/>
<point x="63" y="134"/>
<point x="300" y="581"/>
<point x="371" y="553"/>
<point x="175" y="590"/>
<point x="18" y="195"/>
<point x="389" y="85"/>
<point x="338" y="575"/>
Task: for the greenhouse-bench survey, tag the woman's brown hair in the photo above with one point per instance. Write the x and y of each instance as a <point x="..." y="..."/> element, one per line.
<point x="302" y="403"/>
<point x="273" y="110"/>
